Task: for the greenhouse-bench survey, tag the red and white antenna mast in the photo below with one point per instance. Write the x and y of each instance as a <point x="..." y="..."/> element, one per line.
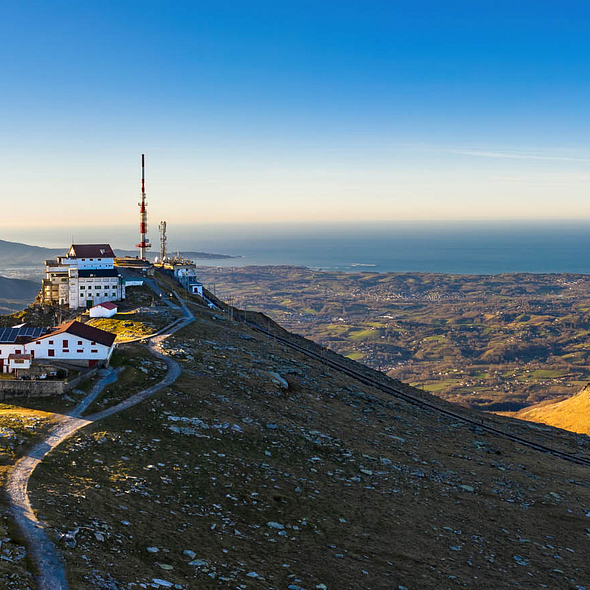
<point x="144" y="242"/>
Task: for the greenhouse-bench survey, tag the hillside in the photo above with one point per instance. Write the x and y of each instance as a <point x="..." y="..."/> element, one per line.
<point x="498" y="343"/>
<point x="18" y="254"/>
<point x="262" y="468"/>
<point x="16" y="294"/>
<point x="571" y="414"/>
<point x="23" y="261"/>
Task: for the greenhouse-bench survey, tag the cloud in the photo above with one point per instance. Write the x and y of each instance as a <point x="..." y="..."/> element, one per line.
<point x="515" y="155"/>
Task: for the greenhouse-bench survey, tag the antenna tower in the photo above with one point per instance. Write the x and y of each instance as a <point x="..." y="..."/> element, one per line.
<point x="144" y="242"/>
<point x="163" y="238"/>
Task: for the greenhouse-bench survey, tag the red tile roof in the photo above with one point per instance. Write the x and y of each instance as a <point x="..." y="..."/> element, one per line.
<point x="83" y="331"/>
<point x="107" y="305"/>
<point x="91" y="251"/>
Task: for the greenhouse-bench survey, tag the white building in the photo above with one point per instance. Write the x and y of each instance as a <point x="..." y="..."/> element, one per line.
<point x="73" y="343"/>
<point x="19" y="362"/>
<point x="104" y="310"/>
<point x="84" y="277"/>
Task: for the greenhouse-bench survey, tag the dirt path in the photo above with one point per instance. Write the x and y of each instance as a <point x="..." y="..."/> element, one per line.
<point x="51" y="574"/>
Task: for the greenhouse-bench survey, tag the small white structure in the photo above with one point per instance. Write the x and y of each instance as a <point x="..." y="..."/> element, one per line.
<point x="106" y="309"/>
<point x="17" y="362"/>
<point x="195" y="288"/>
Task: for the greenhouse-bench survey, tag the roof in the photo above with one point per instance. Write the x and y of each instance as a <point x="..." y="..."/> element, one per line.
<point x="83" y="331"/>
<point x="98" y="272"/>
<point x="11" y="335"/>
<point x="107" y="305"/>
<point x="91" y="251"/>
<point x="24" y="357"/>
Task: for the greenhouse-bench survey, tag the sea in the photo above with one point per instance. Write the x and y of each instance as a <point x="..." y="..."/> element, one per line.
<point x="465" y="247"/>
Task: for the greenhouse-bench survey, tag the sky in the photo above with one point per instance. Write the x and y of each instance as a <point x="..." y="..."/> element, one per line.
<point x="292" y="112"/>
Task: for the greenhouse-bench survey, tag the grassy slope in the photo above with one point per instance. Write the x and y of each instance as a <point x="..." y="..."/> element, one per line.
<point x="368" y="490"/>
<point x="570" y="414"/>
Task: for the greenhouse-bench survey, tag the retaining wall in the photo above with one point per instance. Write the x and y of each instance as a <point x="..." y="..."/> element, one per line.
<point x="42" y="387"/>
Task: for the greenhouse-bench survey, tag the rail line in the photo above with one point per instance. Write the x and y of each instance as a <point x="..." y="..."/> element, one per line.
<point x="422" y="403"/>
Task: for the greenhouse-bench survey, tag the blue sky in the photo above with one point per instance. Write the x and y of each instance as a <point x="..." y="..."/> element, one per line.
<point x="307" y="111"/>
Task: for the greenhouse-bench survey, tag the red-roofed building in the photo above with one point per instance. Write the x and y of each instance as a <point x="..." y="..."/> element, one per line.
<point x="74" y="343"/>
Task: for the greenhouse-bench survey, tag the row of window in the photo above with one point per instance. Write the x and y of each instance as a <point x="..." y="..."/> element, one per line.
<point x="65" y="345"/>
<point x="51" y="351"/>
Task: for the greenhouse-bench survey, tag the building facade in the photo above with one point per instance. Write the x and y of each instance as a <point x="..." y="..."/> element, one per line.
<point x="73" y="342"/>
<point x="84" y="277"/>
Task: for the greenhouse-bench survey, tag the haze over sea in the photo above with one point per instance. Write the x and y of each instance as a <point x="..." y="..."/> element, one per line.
<point x="464" y="247"/>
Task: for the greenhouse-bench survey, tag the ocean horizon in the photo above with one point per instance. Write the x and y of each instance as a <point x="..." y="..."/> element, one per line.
<point x="466" y="247"/>
<point x="453" y="248"/>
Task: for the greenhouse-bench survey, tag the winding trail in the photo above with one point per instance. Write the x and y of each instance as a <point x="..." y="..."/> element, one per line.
<point x="51" y="573"/>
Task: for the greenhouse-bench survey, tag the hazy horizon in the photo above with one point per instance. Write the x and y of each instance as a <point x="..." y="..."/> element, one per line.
<point x="200" y="237"/>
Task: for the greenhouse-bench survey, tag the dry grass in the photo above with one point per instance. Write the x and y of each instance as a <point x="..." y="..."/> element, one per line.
<point x="572" y="414"/>
<point x="128" y="326"/>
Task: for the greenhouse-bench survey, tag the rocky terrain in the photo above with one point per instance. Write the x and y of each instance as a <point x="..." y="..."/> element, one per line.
<point x="262" y="468"/>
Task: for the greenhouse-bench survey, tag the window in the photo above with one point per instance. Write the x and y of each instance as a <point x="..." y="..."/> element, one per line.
<point x="17" y="351"/>
<point x="65" y="343"/>
<point x="37" y="342"/>
<point x="93" y="343"/>
<point x="79" y="350"/>
<point x="79" y="342"/>
<point x="51" y="352"/>
<point x="51" y="342"/>
<point x="94" y="351"/>
<point x="82" y="287"/>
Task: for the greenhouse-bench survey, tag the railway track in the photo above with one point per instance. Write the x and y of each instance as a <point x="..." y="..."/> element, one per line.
<point x="415" y="401"/>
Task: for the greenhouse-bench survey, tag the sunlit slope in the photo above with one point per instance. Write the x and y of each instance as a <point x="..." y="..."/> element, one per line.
<point x="570" y="414"/>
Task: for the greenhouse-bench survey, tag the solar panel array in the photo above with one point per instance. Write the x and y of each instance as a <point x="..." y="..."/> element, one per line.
<point x="9" y="335"/>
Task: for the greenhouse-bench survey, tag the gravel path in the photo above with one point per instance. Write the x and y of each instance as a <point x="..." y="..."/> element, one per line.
<point x="51" y="570"/>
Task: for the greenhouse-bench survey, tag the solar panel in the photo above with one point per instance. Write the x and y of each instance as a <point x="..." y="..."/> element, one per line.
<point x="9" y="335"/>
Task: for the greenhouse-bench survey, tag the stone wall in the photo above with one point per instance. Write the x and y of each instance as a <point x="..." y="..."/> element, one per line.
<point x="40" y="388"/>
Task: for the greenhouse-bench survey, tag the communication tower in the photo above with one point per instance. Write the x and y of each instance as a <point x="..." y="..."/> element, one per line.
<point x="163" y="238"/>
<point x="144" y="242"/>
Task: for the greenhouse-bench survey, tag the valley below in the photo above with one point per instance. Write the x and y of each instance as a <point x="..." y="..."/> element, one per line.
<point x="497" y="343"/>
